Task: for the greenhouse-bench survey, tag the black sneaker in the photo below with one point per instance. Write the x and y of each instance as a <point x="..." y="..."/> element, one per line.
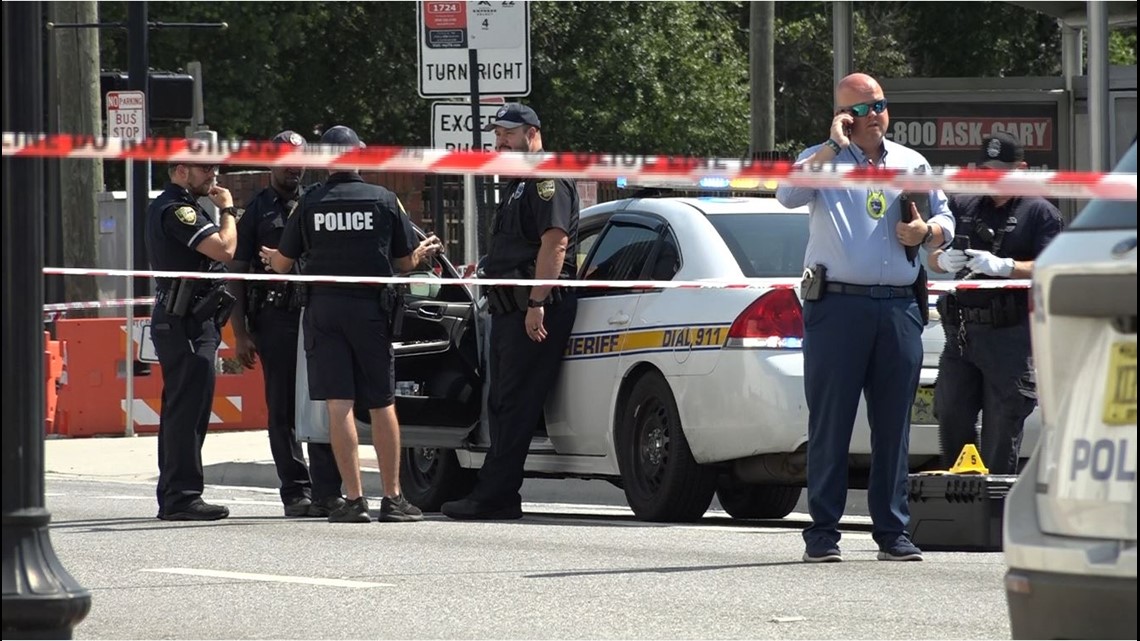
<point x="397" y="508"/>
<point x="199" y="510"/>
<point x="354" y="511"/>
<point x="299" y="506"/>
<point x="326" y="506"/>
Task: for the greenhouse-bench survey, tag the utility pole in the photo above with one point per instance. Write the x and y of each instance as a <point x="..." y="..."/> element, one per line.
<point x="762" y="74"/>
<point x="74" y="109"/>
<point x="41" y="599"/>
<point x="138" y="70"/>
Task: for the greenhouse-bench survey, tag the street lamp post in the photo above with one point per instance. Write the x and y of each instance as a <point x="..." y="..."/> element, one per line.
<point x="41" y="600"/>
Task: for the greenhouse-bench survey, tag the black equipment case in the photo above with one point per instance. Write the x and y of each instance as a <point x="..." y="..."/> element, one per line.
<point x="957" y="512"/>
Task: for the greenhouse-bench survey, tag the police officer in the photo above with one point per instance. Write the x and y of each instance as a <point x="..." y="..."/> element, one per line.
<point x="986" y="364"/>
<point x="266" y="321"/>
<point x="185" y="327"/>
<point x="535" y="236"/>
<point x="348" y="227"/>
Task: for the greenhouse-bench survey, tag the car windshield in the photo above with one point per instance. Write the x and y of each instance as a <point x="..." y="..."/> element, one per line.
<point x="1110" y="214"/>
<point x="765" y="245"/>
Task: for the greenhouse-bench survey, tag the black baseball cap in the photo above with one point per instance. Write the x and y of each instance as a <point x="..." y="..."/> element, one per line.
<point x="291" y="137"/>
<point x="342" y="136"/>
<point x="1001" y="151"/>
<point x="513" y="115"/>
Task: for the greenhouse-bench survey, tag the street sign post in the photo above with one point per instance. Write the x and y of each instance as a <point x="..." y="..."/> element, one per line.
<point x="448" y="31"/>
<point x="451" y="125"/>
<point x="126" y="115"/>
<point x="126" y="118"/>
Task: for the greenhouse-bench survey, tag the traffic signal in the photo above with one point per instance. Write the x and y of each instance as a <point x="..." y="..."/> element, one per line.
<point x="171" y="94"/>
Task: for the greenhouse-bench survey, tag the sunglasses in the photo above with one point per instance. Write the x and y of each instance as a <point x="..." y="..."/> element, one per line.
<point x="205" y="168"/>
<point x="864" y="108"/>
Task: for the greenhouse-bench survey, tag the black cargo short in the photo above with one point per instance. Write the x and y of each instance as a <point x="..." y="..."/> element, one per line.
<point x="349" y="350"/>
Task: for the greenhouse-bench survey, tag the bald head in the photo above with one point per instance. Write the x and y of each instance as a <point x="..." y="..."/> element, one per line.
<point x="856" y="88"/>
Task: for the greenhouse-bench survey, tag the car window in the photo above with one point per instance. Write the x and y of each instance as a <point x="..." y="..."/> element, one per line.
<point x="587" y="236"/>
<point x="667" y="262"/>
<point x="765" y="245"/>
<point x="622" y="252"/>
<point x="1110" y="214"/>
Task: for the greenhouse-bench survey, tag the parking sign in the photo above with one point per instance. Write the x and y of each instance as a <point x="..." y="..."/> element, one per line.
<point x="126" y="115"/>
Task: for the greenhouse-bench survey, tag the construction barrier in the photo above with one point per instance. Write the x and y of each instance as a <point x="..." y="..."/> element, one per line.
<point x="92" y="388"/>
<point x="53" y="371"/>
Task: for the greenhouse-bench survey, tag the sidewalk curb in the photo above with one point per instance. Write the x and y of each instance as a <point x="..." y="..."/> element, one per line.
<point x="264" y="474"/>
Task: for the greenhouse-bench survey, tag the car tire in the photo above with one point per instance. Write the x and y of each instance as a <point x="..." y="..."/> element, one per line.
<point x="749" y="501"/>
<point x="429" y="477"/>
<point x="661" y="480"/>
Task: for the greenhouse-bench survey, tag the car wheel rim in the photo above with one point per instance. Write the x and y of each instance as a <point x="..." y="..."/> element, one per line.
<point x="652" y="445"/>
<point x="423" y="462"/>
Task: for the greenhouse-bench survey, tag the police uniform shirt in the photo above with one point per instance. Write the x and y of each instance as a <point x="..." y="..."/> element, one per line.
<point x="1030" y="224"/>
<point x="529" y="208"/>
<point x="345" y="220"/>
<point x="176" y="224"/>
<point x="262" y="225"/>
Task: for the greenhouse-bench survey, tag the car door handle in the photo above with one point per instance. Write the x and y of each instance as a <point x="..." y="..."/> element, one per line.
<point x="620" y="318"/>
<point x="430" y="312"/>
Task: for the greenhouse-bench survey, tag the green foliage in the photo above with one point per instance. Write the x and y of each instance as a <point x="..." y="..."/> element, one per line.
<point x="636" y="77"/>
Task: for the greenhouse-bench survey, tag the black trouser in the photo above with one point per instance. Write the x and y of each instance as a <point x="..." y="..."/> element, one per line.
<point x="187" y="351"/>
<point x="992" y="373"/>
<point x="522" y="375"/>
<point x="276" y="340"/>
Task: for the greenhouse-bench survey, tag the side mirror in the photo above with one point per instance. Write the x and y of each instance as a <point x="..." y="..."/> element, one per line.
<point x="423" y="290"/>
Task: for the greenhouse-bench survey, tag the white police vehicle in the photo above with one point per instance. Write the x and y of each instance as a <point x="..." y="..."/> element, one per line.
<point x="1070" y="519"/>
<point x="672" y="394"/>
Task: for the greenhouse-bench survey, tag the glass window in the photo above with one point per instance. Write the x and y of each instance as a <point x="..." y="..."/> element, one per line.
<point x="765" y="245"/>
<point x="668" y="259"/>
<point x="1110" y="214"/>
<point x="622" y="253"/>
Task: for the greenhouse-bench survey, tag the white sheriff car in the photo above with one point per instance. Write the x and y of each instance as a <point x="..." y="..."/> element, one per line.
<point x="1070" y="519"/>
<point x="672" y="394"/>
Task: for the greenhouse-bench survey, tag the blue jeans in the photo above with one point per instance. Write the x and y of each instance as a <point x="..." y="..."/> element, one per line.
<point x="857" y="344"/>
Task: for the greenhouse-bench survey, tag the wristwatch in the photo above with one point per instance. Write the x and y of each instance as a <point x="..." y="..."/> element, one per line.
<point x="236" y="212"/>
<point x="833" y="145"/>
<point x="929" y="234"/>
<point x="530" y="302"/>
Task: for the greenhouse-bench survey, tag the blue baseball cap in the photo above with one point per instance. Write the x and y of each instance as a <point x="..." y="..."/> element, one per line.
<point x="513" y="115"/>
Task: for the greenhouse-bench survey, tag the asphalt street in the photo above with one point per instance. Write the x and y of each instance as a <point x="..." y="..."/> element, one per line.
<point x="566" y="570"/>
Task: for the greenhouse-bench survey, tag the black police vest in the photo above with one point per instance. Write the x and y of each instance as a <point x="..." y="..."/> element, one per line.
<point x="987" y="228"/>
<point x="512" y="254"/>
<point x="163" y="252"/>
<point x="348" y="230"/>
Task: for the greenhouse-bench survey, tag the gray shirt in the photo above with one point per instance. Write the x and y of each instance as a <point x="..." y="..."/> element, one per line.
<point x="852" y="230"/>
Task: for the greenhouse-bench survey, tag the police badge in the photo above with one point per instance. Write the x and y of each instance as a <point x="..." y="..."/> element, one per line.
<point x="186" y="215"/>
<point x="545" y="189"/>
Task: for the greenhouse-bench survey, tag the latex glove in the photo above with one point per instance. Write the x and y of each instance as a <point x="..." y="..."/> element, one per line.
<point x="952" y="260"/>
<point x="983" y="262"/>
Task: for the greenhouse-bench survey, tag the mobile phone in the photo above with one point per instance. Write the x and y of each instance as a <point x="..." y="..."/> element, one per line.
<point x="960" y="242"/>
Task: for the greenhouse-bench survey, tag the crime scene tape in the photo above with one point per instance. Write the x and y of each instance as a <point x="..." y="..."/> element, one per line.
<point x="742" y="174"/>
<point x="97" y="304"/>
<point x="752" y="283"/>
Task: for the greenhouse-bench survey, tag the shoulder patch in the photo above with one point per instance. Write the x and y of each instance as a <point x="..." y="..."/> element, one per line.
<point x="545" y="189"/>
<point x="186" y="215"/>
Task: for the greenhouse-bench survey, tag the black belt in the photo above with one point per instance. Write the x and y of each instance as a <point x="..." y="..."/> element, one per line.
<point x="873" y="291"/>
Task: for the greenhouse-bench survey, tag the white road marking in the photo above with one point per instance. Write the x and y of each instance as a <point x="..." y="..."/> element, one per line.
<point x="276" y="578"/>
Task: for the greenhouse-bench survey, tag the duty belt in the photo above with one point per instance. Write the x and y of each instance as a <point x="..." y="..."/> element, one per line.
<point x="873" y="291"/>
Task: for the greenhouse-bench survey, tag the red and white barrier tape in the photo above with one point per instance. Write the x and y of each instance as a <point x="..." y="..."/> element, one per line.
<point x="752" y="283"/>
<point x="1052" y="184"/>
<point x="98" y="304"/>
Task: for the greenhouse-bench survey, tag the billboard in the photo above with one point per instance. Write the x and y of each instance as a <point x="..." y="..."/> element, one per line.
<point x="951" y="132"/>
